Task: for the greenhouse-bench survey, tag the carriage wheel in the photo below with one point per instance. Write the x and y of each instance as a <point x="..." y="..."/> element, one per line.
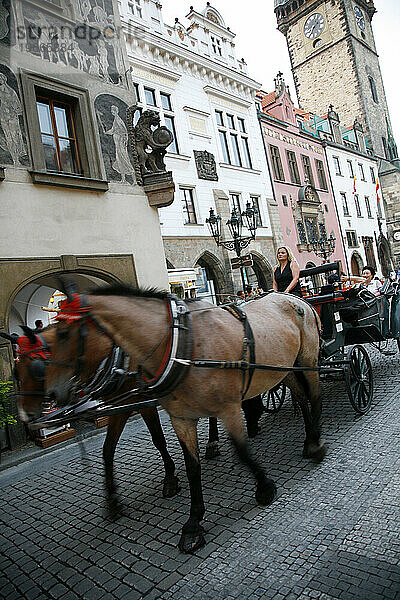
<point x="398" y="343"/>
<point x="359" y="379"/>
<point x="274" y="398"/>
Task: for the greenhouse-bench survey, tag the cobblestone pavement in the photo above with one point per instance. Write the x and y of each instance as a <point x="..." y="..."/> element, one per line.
<point x="332" y="532"/>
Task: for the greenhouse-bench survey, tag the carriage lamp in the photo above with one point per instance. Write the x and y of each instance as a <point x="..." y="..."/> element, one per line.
<point x="324" y="246"/>
<point x="214" y="225"/>
<point x="250" y="217"/>
<point x="235" y="225"/>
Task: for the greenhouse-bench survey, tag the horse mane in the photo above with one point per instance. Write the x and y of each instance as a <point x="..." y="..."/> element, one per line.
<point x="123" y="289"/>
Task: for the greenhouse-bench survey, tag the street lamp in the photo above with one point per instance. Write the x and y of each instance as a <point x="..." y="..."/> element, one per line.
<point x="324" y="247"/>
<point x="248" y="218"/>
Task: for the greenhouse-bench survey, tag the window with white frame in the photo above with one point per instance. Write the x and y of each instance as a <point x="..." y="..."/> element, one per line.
<point x="368" y="207"/>
<point x="372" y="173"/>
<point x="233" y="138"/>
<point x="379" y="208"/>
<point x="235" y="203"/>
<point x="361" y="169"/>
<point x="357" y="204"/>
<point x="336" y="164"/>
<point x="351" y="170"/>
<point x="255" y="204"/>
<point x="216" y="45"/>
<point x="188" y="208"/>
<point x="344" y="204"/>
<point x="135" y="8"/>
<point x="352" y="240"/>
<point x="159" y="101"/>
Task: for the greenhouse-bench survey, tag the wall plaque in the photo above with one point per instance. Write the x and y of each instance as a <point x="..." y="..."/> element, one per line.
<point x="205" y="165"/>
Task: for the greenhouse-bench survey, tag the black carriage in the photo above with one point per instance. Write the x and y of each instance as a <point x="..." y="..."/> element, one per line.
<point x="349" y="319"/>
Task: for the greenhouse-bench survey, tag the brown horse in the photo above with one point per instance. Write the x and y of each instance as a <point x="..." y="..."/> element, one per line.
<point x="286" y="333"/>
<point x="29" y="372"/>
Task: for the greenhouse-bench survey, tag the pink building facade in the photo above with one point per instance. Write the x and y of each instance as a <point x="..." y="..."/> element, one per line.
<point x="300" y="178"/>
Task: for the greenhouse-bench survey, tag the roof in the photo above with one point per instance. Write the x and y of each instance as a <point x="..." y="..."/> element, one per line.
<point x="268" y="99"/>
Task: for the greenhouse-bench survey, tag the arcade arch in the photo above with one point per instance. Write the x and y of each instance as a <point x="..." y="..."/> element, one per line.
<point x="260" y="274"/>
<point x="356" y="264"/>
<point x="214" y="274"/>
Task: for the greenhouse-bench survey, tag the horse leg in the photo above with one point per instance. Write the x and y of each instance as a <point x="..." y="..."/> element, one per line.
<point x="192" y="536"/>
<point x="305" y="391"/>
<point x="115" y="427"/>
<point x="212" y="448"/>
<point x="266" y="489"/>
<point x="170" y="484"/>
<point x="253" y="408"/>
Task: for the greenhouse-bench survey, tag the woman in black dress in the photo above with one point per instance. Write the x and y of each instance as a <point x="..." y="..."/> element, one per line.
<point x="286" y="274"/>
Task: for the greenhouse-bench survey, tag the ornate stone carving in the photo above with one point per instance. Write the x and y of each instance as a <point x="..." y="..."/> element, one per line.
<point x="205" y="165"/>
<point x="148" y="141"/>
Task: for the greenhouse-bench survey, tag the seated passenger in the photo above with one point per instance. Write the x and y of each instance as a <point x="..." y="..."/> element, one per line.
<point x="367" y="280"/>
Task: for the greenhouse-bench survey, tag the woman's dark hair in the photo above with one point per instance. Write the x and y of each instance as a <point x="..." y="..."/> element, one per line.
<point x="373" y="271"/>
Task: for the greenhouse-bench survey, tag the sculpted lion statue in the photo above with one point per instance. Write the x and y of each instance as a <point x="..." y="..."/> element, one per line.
<point x="149" y="141"/>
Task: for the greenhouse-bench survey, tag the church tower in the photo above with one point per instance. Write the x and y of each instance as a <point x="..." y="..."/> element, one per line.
<point x="334" y="61"/>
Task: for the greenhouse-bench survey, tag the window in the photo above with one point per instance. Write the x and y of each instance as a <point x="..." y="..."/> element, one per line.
<point x="361" y="168"/>
<point x="321" y="174"/>
<point x="385" y="147"/>
<point x="351" y="170"/>
<point x="61" y="135"/>
<point x="136" y="92"/>
<point x="235" y="200"/>
<point x="58" y="136"/>
<point x="372" y="173"/>
<point x="357" y="203"/>
<point x="379" y="208"/>
<point x="368" y="207"/>
<point x="276" y="163"/>
<point x="165" y="101"/>
<point x="170" y="124"/>
<point x="150" y="97"/>
<point x="235" y="147"/>
<point x="373" y="89"/>
<point x="336" y="164"/>
<point x="255" y="203"/>
<point x="216" y="45"/>
<point x="352" y="240"/>
<point x="293" y="169"/>
<point x="284" y="200"/>
<point x="189" y="213"/>
<point x="344" y="204"/>
<point x="233" y="139"/>
<point x="135" y="8"/>
<point x="307" y="169"/>
<point x="224" y="146"/>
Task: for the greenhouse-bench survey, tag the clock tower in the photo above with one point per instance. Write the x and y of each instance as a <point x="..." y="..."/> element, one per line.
<point x="334" y="61"/>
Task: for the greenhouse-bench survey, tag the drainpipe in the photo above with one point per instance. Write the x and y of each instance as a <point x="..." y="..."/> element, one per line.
<point x="324" y="144"/>
<point x="271" y="180"/>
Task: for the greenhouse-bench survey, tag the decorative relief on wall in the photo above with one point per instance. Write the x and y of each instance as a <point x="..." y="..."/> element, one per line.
<point x="111" y="119"/>
<point x="13" y="149"/>
<point x="90" y="45"/>
<point x="205" y="165"/>
<point x="309" y="217"/>
<point x="7" y="33"/>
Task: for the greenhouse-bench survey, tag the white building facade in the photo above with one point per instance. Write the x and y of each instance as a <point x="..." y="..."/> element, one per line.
<point x="191" y="77"/>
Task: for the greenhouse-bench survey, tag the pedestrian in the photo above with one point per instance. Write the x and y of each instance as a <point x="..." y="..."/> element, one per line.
<point x="286" y="273"/>
<point x="38" y="326"/>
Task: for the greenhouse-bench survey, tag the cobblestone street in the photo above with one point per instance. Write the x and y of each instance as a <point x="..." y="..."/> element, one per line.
<point x="332" y="533"/>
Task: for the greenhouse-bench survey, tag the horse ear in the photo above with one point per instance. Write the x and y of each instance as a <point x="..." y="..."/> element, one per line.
<point x="67" y="286"/>
<point x="30" y="334"/>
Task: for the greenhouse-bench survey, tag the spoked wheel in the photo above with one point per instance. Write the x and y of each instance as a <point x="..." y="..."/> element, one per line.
<point x="359" y="379"/>
<point x="398" y="343"/>
<point x="274" y="398"/>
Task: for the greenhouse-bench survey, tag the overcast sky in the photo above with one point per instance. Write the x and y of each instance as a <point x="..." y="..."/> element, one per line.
<point x="264" y="48"/>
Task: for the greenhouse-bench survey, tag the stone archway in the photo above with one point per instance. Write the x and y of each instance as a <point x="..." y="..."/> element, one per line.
<point x="356" y="264"/>
<point x="214" y="273"/>
<point x="262" y="271"/>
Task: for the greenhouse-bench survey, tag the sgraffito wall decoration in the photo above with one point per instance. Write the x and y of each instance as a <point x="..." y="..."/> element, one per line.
<point x="13" y="148"/>
<point x="90" y="45"/>
<point x="7" y="30"/>
<point x="117" y="155"/>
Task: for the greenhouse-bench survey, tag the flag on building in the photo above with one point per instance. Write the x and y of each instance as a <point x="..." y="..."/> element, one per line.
<point x="377" y="189"/>
<point x="354" y="184"/>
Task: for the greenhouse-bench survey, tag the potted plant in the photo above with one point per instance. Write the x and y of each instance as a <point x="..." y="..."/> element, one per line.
<point x="5" y="417"/>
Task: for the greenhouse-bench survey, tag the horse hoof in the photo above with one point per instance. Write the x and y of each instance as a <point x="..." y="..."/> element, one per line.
<point x="212" y="451"/>
<point x="314" y="451"/>
<point x="192" y="541"/>
<point x="266" y="492"/>
<point x="170" y="487"/>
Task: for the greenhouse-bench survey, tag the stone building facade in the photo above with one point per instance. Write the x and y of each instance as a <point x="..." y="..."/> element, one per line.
<point x="68" y="195"/>
<point x="299" y="171"/>
<point x="189" y="74"/>
<point x="335" y="61"/>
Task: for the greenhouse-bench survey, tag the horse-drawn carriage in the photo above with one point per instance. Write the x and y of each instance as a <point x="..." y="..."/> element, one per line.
<point x="349" y="319"/>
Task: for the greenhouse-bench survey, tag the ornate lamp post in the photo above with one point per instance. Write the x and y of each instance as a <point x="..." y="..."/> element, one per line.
<point x="324" y="247"/>
<point x="235" y="224"/>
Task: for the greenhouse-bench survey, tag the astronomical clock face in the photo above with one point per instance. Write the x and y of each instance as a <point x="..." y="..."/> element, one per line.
<point x="359" y="17"/>
<point x="314" y="25"/>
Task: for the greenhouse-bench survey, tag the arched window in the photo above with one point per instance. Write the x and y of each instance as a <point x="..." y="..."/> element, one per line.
<point x="373" y="89"/>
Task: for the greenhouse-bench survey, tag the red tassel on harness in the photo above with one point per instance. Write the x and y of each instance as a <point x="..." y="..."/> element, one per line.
<point x="25" y="346"/>
<point x="72" y="310"/>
